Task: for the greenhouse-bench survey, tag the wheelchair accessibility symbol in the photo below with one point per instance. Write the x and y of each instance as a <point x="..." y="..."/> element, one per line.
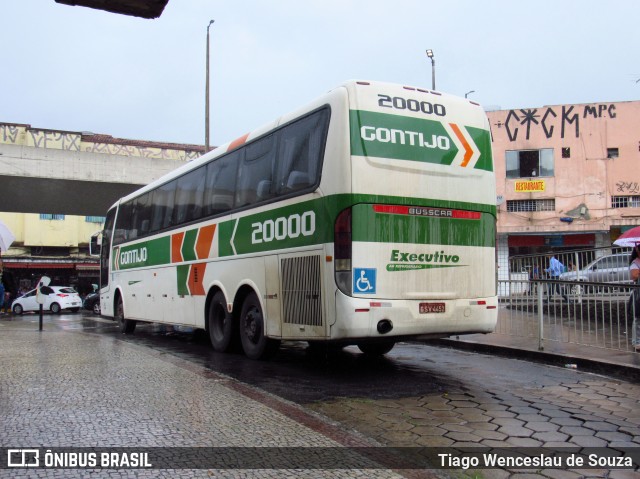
<point x="364" y="280"/>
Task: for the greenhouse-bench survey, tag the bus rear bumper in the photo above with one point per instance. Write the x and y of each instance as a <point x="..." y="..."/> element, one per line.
<point x="373" y="318"/>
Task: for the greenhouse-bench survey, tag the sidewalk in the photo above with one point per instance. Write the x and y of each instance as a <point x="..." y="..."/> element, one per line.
<point x="62" y="388"/>
<point x="621" y="364"/>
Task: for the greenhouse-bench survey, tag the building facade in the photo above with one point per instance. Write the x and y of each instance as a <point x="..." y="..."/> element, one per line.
<point x="567" y="176"/>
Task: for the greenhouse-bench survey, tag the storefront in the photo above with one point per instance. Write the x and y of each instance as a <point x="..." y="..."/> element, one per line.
<point x="21" y="275"/>
<point x="546" y="243"/>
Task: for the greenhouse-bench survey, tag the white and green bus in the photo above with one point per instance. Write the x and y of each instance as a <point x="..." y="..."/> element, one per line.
<point x="366" y="217"/>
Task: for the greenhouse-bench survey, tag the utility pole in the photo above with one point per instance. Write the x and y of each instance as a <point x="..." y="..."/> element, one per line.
<point x="206" y="100"/>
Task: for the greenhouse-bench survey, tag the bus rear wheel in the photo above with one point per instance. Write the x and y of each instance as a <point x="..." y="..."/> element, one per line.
<point x="220" y="323"/>
<point x="376" y="349"/>
<point x="254" y="343"/>
<point x="126" y="326"/>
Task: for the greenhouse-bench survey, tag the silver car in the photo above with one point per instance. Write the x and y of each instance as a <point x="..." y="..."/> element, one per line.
<point x="613" y="268"/>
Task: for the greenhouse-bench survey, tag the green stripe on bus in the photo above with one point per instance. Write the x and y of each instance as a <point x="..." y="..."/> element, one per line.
<point x="382" y="135"/>
<point x="188" y="245"/>
<point x="482" y="139"/>
<point x="369" y="226"/>
<point x="182" y="272"/>
<point x="153" y="252"/>
<point x="310" y="223"/>
<point x="400" y="137"/>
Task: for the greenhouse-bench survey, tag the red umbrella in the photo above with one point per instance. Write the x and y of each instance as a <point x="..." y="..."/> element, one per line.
<point x="629" y="238"/>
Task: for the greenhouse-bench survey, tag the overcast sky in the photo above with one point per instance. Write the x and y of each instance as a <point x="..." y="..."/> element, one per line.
<point x="79" y="69"/>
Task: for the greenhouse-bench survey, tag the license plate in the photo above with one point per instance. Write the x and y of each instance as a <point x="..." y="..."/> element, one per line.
<point x="431" y="308"/>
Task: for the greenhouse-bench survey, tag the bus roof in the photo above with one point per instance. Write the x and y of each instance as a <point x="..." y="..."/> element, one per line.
<point x="355" y="88"/>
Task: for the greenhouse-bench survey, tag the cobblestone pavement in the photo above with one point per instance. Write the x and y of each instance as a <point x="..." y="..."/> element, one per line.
<point x="486" y="408"/>
<point x="69" y="389"/>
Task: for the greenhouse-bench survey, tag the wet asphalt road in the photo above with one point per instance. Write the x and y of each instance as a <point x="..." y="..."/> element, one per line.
<point x="410" y="369"/>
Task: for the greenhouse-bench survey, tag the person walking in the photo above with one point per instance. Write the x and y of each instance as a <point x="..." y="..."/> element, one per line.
<point x="555" y="269"/>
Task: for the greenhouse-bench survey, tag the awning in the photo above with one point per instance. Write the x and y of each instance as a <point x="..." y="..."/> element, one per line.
<point x="50" y="265"/>
<point x="564" y="239"/>
<point x="88" y="267"/>
<point x="38" y="265"/>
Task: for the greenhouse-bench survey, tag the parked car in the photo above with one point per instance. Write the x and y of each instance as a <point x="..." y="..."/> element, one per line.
<point x="613" y="268"/>
<point x="56" y="298"/>
<point x="92" y="303"/>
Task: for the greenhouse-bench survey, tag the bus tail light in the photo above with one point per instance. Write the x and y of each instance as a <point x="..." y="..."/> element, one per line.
<point x="342" y="251"/>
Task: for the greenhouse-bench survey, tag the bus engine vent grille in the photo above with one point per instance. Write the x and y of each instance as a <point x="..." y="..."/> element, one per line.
<point x="301" y="299"/>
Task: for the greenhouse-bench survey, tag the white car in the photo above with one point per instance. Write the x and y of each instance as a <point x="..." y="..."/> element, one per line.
<point x="56" y="298"/>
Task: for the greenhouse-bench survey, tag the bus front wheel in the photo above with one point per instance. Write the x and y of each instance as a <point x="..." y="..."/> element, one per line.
<point x="126" y="326"/>
<point x="254" y="343"/>
<point x="220" y="323"/>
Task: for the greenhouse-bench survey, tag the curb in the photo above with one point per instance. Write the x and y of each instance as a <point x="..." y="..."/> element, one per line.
<point x="625" y="372"/>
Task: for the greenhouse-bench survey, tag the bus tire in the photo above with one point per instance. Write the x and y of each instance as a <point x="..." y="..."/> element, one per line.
<point x="254" y="343"/>
<point x="376" y="349"/>
<point x="220" y="324"/>
<point x="126" y="326"/>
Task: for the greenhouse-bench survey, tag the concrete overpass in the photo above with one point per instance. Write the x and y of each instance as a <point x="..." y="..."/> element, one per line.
<point x="73" y="182"/>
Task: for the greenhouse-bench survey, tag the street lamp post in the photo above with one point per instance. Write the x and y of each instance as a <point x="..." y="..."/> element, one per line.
<point x="469" y="93"/>
<point x="433" y="69"/>
<point x="206" y="100"/>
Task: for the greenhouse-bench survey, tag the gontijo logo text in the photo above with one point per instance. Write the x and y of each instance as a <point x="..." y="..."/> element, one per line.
<point x="130" y="258"/>
<point x="412" y="138"/>
<point x="133" y="257"/>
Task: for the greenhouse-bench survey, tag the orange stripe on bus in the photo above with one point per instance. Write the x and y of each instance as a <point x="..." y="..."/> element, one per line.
<point x="468" y="151"/>
<point x="194" y="283"/>
<point x="176" y="247"/>
<point x="238" y="142"/>
<point x="203" y="243"/>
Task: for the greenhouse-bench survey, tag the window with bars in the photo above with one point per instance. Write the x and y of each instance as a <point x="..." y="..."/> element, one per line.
<point x="531" y="205"/>
<point x="625" y="201"/>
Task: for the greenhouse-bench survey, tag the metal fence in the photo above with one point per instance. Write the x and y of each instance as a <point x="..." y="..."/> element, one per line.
<point x="589" y="313"/>
<point x="588" y="304"/>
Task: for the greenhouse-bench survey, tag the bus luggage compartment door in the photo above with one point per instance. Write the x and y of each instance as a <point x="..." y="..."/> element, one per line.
<point x="302" y="301"/>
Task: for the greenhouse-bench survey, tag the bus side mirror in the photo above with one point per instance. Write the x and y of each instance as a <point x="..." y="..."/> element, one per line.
<point x="95" y="244"/>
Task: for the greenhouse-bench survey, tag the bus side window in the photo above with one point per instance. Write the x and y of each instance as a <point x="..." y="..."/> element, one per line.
<point x="189" y="197"/>
<point x="162" y="206"/>
<point x="300" y="153"/>
<point x="123" y="224"/>
<point x="141" y="216"/>
<point x="257" y="166"/>
<point x="221" y="184"/>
